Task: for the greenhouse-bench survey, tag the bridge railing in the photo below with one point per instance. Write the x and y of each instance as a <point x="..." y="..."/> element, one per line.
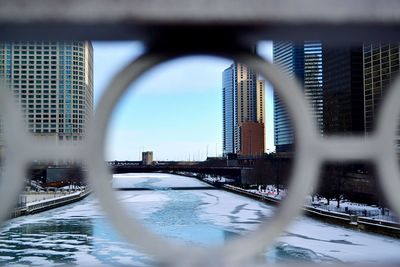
<point x="226" y="28"/>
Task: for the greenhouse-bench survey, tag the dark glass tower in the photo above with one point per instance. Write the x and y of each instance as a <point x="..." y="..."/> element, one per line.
<point x="304" y="62"/>
<point x="343" y="90"/>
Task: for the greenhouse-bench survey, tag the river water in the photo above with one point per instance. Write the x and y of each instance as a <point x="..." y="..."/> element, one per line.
<point x="81" y="234"/>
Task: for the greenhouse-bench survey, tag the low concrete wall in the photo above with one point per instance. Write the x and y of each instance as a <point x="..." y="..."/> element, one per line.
<point x="54" y="203"/>
<point x="244" y="192"/>
<point x="18" y="212"/>
<point x="39" y="196"/>
<point x="377" y="226"/>
<point x="330" y="216"/>
<point x="48" y="204"/>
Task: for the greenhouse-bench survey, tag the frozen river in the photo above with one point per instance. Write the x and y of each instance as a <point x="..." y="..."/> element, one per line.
<point x="80" y="234"/>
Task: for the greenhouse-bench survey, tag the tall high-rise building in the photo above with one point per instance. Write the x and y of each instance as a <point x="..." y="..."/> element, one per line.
<point x="313" y="81"/>
<point x="290" y="58"/>
<point x="243" y="101"/>
<point x="343" y="90"/>
<point x="381" y="66"/>
<point x="302" y="61"/>
<point x="52" y="84"/>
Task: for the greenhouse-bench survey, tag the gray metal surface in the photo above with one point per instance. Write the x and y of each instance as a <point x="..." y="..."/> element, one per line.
<point x="209" y="12"/>
<point x="246" y="19"/>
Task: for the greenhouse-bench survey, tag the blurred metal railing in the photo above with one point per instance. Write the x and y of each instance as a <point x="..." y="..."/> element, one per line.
<point x="245" y="21"/>
<point x="226" y="28"/>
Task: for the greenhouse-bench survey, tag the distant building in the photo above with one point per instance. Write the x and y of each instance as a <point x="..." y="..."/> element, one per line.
<point x="251" y="138"/>
<point x="302" y="61"/>
<point x="147" y="157"/>
<point x="53" y="86"/>
<point x="343" y="90"/>
<point x="243" y="101"/>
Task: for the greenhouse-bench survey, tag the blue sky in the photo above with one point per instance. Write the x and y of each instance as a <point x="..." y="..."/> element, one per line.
<point x="174" y="110"/>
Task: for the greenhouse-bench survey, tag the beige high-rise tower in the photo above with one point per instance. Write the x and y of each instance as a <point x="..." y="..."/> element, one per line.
<point x="243" y="101"/>
<point x="53" y="86"/>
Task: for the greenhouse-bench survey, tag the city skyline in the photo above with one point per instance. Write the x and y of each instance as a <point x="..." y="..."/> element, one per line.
<point x="198" y="95"/>
<point x="129" y="144"/>
<point x="164" y="81"/>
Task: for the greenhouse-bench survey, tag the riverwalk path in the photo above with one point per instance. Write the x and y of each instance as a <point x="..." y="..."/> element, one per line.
<point x="34" y="202"/>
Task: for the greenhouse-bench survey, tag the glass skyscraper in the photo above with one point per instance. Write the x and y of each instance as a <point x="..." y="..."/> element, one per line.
<point x="343" y="90"/>
<point x="381" y="66"/>
<point x="290" y="58"/>
<point x="302" y="61"/>
<point x="229" y="107"/>
<point x="313" y="81"/>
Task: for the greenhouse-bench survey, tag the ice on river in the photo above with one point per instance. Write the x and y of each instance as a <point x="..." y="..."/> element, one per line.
<point x="80" y="233"/>
<point x="154" y="181"/>
<point x="242" y="214"/>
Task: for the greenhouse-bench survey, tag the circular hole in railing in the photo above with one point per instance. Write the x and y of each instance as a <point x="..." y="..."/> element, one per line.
<point x="231" y="252"/>
<point x="165" y="150"/>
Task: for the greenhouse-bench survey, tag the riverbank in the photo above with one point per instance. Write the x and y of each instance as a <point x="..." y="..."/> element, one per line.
<point x="49" y="203"/>
<point x="354" y="222"/>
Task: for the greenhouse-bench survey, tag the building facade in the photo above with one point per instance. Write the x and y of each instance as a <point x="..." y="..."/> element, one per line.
<point x="290" y="58"/>
<point x="343" y="90"/>
<point x="313" y="81"/>
<point x="251" y="138"/>
<point x="53" y="86"/>
<point x="302" y="61"/>
<point x="147" y="157"/>
<point x="381" y="66"/>
<point x="229" y="108"/>
<point x="243" y="101"/>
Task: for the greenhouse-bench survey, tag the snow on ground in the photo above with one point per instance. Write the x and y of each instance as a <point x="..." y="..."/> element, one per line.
<point x="352" y="208"/>
<point x="355" y="209"/>
<point x="341" y="243"/>
<point x="228" y="210"/>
